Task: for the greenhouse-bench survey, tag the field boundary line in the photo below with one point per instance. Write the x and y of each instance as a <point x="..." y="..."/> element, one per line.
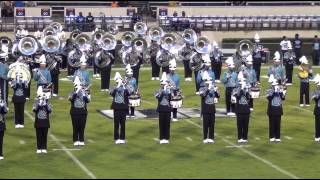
<point x="64" y="148"/>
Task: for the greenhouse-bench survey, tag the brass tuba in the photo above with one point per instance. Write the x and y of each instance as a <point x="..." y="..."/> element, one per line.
<point x="196" y="62"/>
<point x="56" y="26"/>
<point x="51" y="44"/>
<point x="139" y="44"/>
<point x="82" y="41"/>
<point x="140" y="28"/>
<point x="244" y="48"/>
<point x="113" y="29"/>
<point x="5" y="41"/>
<point x="97" y="36"/>
<point x="203" y="45"/>
<point x="127" y="38"/>
<point x="49" y="31"/>
<point x="156" y="33"/>
<point x="28" y="46"/>
<point x="74" y="34"/>
<point x="74" y="58"/>
<point x="189" y="36"/>
<point x="131" y="56"/>
<point x="103" y="58"/>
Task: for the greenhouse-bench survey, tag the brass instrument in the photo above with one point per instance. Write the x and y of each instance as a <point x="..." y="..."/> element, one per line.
<point x="82" y="42"/>
<point x="74" y="34"/>
<point x="156" y="33"/>
<point x="140" y="28"/>
<point x="127" y="38"/>
<point x="189" y="36"/>
<point x="131" y="56"/>
<point x="103" y="58"/>
<point x="202" y="45"/>
<point x="51" y="44"/>
<point x="74" y="58"/>
<point x="49" y="31"/>
<point x="56" y="26"/>
<point x="97" y="36"/>
<point x="113" y="29"/>
<point x="196" y="62"/>
<point x="28" y="46"/>
<point x="304" y="71"/>
<point x="139" y="44"/>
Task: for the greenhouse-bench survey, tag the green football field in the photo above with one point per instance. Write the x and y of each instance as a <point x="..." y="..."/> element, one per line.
<point x="297" y="156"/>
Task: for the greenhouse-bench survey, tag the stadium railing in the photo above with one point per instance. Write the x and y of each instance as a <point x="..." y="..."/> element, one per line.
<point x="231" y="23"/>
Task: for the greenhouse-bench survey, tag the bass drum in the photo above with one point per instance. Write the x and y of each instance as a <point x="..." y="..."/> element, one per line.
<point x="134" y="100"/>
<point x="255" y="92"/>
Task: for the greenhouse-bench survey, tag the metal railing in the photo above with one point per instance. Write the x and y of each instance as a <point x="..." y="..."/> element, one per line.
<point x="227" y="23"/>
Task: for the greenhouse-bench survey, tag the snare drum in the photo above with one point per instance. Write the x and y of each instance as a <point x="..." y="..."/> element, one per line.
<point x="134" y="100"/>
<point x="255" y="92"/>
<point x="176" y="101"/>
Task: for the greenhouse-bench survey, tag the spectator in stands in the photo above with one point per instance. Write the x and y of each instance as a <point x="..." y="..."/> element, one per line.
<point x="184" y="21"/>
<point x="80" y="21"/>
<point x="31" y="3"/>
<point x="70" y="19"/>
<point x="174" y="21"/>
<point x="123" y="3"/>
<point x="114" y="4"/>
<point x="297" y="46"/>
<point x="316" y="51"/>
<point x="6" y="9"/>
<point x="90" y="22"/>
<point x="18" y="3"/>
<point x="134" y="19"/>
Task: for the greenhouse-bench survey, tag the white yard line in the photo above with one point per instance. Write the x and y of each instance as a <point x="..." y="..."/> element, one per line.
<point x="156" y="139"/>
<point x="253" y="155"/>
<point x="22" y="142"/>
<point x="75" y="160"/>
<point x="288" y="137"/>
<point x="66" y="149"/>
<point x="189" y="139"/>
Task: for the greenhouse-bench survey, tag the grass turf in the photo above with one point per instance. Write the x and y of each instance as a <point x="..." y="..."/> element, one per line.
<point x="143" y="157"/>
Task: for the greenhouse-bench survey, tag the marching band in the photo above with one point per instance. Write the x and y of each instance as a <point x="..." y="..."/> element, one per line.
<point x="50" y="50"/>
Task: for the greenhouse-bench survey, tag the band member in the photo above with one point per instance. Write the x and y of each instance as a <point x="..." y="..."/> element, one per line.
<point x="277" y="69"/>
<point x="42" y="109"/>
<point x="164" y="109"/>
<point x="4" y="80"/>
<point x="166" y="54"/>
<point x="3" y="111"/>
<point x="79" y="99"/>
<point x="131" y="85"/>
<point x="209" y="97"/>
<point x="216" y="61"/>
<point x="316" y="112"/>
<point x="230" y="79"/>
<point x="242" y="97"/>
<point x="135" y="56"/>
<point x="95" y="48"/>
<point x="175" y="79"/>
<point x="284" y="45"/>
<point x="297" y="45"/>
<point x="275" y="96"/>
<point x="289" y="58"/>
<point x="82" y="73"/>
<point x="305" y="73"/>
<point x="120" y="108"/>
<point x="67" y="48"/>
<point x="206" y="67"/>
<point x="257" y="57"/>
<point x="106" y="71"/>
<point x="54" y="72"/>
<point x="42" y="75"/>
<point x="250" y="75"/>
<point x="185" y="53"/>
<point x="19" y="99"/>
<point x="153" y="49"/>
<point x="315" y="51"/>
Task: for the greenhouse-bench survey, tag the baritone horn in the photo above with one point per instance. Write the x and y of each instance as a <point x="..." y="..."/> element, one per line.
<point x="140" y="28"/>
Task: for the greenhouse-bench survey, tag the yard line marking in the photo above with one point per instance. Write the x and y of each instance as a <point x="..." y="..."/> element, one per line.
<point x="22" y="142"/>
<point x="228" y="137"/>
<point x="288" y="137"/>
<point x="257" y="138"/>
<point x="156" y="139"/>
<point x="66" y="149"/>
<point x="56" y="140"/>
<point x="90" y="141"/>
<point x="301" y="108"/>
<point x="254" y="155"/>
<point x="189" y="139"/>
<point x="238" y="146"/>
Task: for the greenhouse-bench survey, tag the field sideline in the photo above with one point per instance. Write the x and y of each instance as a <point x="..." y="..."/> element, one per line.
<point x="186" y="156"/>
